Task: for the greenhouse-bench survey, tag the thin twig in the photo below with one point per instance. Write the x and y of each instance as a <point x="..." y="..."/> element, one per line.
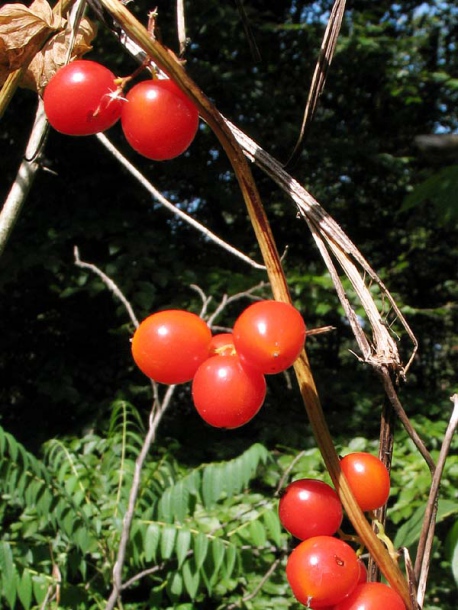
<point x="254" y="49"/>
<point x="109" y="283"/>
<point x="249" y="294"/>
<point x="285" y="475"/>
<point x="181" y="27"/>
<point x="155" y="417"/>
<point x="402" y="415"/>
<point x="133" y="171"/>
<point x="258" y="587"/>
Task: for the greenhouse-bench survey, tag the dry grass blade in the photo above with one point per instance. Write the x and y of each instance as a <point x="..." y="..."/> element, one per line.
<point x="325" y="56"/>
<point x="334" y="244"/>
<point x="254" y="50"/>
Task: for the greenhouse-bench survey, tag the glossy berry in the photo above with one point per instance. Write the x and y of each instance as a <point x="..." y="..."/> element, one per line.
<point x="269" y="335"/>
<point x="82" y="98"/>
<point x="368" y="478"/>
<point x="158" y="120"/>
<point x="309" y="507"/>
<point x="170" y="345"/>
<point x="372" y="596"/>
<point x="225" y="393"/>
<point x="322" y="571"/>
<point x="222" y="344"/>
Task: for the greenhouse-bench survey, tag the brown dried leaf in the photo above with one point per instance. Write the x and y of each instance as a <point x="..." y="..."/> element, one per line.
<point x="54" y="55"/>
<point x="19" y="26"/>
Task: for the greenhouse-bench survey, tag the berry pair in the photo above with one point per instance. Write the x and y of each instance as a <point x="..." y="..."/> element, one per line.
<point x="158" y="120"/>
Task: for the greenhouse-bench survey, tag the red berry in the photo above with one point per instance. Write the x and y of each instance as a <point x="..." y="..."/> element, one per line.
<point x="309" y="507"/>
<point x="322" y="571"/>
<point x="368" y="478"/>
<point x="225" y="393"/>
<point x="82" y="98"/>
<point x="158" y="120"/>
<point x="269" y="335"/>
<point x="170" y="345"/>
<point x="372" y="596"/>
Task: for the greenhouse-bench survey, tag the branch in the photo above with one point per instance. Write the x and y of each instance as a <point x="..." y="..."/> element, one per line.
<point x="24" y="179"/>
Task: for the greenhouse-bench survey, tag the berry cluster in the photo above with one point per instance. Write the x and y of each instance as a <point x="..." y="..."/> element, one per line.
<point x="158" y="120"/>
<point x="324" y="572"/>
<point x="227" y="370"/>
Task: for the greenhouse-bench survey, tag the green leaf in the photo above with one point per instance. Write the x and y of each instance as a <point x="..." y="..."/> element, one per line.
<point x="440" y="190"/>
<point x="230" y="560"/>
<point x="258" y="533"/>
<point x="451" y="549"/>
<point x="273" y="525"/>
<point x="25" y="590"/>
<point x="191" y="579"/>
<point x="212" y="485"/>
<point x="168" y="535"/>
<point x="152" y="537"/>
<point x="175" y="585"/>
<point x="200" y="549"/>
<point x="218" y="553"/>
<point x="40" y="586"/>
<point x="409" y="532"/>
<point x="8" y="573"/>
<point x="183" y="545"/>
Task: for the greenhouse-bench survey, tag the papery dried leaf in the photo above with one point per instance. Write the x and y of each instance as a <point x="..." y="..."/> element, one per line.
<point x="54" y="55"/>
<point x="19" y="26"/>
<point x="19" y="23"/>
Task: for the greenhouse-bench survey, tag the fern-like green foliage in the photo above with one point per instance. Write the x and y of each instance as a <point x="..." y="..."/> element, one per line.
<point x="197" y="532"/>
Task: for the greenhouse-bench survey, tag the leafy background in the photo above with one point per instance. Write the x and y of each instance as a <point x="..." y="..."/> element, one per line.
<point x="73" y="408"/>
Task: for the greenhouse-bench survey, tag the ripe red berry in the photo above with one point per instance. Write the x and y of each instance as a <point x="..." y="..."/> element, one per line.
<point x="222" y="344"/>
<point x="158" y="120"/>
<point x="368" y="478"/>
<point x="170" y="345"/>
<point x="309" y="507"/>
<point x="322" y="571"/>
<point x="82" y="98"/>
<point x="225" y="393"/>
<point x="269" y="335"/>
<point x="372" y="596"/>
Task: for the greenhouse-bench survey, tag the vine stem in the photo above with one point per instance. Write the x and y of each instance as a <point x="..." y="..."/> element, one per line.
<point x="167" y="62"/>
